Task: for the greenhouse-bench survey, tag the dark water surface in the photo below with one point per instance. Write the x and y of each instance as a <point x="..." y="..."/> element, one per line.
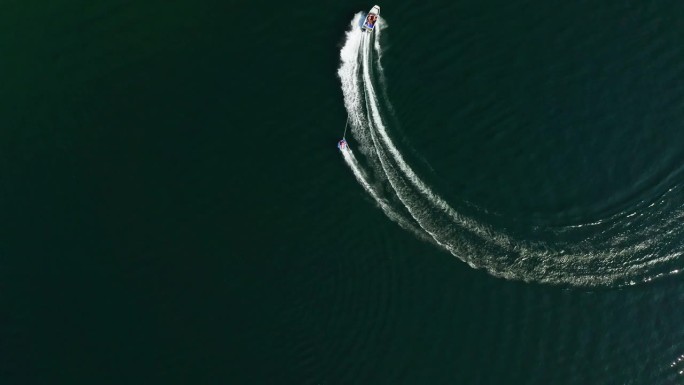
<point x="175" y="210"/>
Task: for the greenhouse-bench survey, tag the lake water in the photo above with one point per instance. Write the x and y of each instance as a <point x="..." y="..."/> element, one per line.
<point x="176" y="210"/>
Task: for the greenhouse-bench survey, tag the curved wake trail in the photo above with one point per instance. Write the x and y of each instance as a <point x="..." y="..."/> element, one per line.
<point x="416" y="196"/>
<point x="613" y="255"/>
<point x="386" y="207"/>
<point x="353" y="99"/>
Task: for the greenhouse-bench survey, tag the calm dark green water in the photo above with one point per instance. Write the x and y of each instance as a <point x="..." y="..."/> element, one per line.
<point x="175" y="210"/>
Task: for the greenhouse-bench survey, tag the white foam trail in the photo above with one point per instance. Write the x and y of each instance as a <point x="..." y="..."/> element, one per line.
<point x="391" y="213"/>
<point x="381" y="25"/>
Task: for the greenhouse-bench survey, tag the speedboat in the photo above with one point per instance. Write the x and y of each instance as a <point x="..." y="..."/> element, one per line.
<point x="343" y="145"/>
<point x="371" y="19"/>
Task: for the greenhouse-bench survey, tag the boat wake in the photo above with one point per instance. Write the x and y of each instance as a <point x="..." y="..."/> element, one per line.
<point x="615" y="251"/>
